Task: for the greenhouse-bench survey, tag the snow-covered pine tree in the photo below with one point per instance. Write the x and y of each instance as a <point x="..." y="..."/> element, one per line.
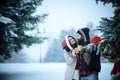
<point x="15" y="19"/>
<point x="110" y="27"/>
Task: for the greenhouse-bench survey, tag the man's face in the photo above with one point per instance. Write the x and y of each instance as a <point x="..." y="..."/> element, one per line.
<point x="79" y="37"/>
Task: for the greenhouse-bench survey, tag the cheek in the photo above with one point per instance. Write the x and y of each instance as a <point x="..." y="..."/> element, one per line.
<point x="72" y="42"/>
<point x="79" y="37"/>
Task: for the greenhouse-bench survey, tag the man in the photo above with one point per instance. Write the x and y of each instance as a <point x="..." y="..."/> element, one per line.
<point x="87" y="71"/>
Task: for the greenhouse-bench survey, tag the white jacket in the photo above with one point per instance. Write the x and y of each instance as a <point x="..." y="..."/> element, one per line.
<point x="71" y="63"/>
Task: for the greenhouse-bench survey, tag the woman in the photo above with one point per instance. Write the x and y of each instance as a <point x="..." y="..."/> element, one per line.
<point x="70" y="54"/>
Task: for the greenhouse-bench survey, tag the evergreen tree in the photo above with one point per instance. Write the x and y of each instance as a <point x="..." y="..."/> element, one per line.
<point x="110" y="27"/>
<point x="15" y="20"/>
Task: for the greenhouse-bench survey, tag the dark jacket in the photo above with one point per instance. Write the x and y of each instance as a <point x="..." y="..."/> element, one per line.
<point x="84" y="69"/>
<point x="94" y="64"/>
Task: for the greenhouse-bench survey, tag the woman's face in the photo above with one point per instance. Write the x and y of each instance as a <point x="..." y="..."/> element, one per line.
<point x="72" y="40"/>
<point x="79" y="37"/>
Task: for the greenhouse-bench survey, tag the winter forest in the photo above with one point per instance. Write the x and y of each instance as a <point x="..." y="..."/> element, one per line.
<point x="30" y="33"/>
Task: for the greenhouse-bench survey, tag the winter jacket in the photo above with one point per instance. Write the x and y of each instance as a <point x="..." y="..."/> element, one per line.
<point x="95" y="44"/>
<point x="94" y="63"/>
<point x="94" y="58"/>
<point x="116" y="67"/>
<point x="84" y="69"/>
<point x="116" y="70"/>
<point x="72" y="70"/>
<point x="71" y="63"/>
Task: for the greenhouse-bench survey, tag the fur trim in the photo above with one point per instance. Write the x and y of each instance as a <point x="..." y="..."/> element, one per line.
<point x="67" y="42"/>
<point x="83" y="34"/>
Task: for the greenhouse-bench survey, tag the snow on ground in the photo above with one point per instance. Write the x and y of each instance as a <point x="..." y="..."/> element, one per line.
<point x="43" y="71"/>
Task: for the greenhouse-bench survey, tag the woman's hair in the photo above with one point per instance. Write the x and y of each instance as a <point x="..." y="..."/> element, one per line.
<point x="75" y="45"/>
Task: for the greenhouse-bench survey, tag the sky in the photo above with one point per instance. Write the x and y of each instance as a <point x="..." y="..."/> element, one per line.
<point x="66" y="14"/>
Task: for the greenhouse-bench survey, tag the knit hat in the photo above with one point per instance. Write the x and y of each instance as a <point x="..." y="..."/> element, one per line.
<point x="95" y="39"/>
<point x="66" y="43"/>
<point x="85" y="33"/>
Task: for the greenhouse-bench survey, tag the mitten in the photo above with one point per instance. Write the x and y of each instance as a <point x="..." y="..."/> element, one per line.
<point x="66" y="48"/>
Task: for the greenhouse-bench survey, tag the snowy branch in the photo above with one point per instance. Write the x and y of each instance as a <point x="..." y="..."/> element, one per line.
<point x="6" y="20"/>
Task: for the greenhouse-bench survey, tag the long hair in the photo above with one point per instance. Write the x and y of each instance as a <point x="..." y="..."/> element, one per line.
<point x="75" y="45"/>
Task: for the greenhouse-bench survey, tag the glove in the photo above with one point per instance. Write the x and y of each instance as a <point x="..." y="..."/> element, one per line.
<point x="66" y="48"/>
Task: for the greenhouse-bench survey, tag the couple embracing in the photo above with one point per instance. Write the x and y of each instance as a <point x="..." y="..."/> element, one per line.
<point x="83" y="61"/>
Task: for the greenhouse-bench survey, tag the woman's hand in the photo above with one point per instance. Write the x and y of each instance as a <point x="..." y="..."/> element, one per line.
<point x="75" y="50"/>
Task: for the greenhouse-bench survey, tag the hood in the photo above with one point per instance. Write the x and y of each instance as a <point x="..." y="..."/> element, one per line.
<point x="84" y="32"/>
<point x="66" y="42"/>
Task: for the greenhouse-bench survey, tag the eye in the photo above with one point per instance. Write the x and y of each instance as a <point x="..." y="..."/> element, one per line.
<point x="70" y="39"/>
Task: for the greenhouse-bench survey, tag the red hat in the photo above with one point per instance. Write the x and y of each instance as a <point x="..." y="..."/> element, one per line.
<point x="95" y="39"/>
<point x="64" y="43"/>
